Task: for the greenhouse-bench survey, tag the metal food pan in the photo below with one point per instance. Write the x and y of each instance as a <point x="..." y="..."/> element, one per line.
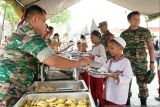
<point x="77" y="95"/>
<point x="59" y="75"/>
<point x="59" y="86"/>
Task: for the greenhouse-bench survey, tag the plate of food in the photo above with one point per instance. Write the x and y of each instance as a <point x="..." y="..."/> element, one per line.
<point x="99" y="73"/>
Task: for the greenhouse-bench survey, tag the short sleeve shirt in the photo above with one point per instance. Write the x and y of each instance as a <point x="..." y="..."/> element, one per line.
<point x="17" y="58"/>
<point x="135" y="49"/>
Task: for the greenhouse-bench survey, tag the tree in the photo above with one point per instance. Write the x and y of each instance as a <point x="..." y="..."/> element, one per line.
<point x="10" y="14"/>
<point x="61" y="17"/>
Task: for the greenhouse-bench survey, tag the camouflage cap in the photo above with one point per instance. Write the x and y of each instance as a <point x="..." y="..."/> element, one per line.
<point x="102" y="24"/>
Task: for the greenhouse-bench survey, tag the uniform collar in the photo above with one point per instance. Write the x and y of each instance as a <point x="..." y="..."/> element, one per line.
<point x="107" y="32"/>
<point x="132" y="29"/>
<point x="96" y="45"/>
<point x="120" y="58"/>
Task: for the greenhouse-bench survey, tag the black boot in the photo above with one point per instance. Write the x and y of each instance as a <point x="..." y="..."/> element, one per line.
<point x="143" y="102"/>
<point x="157" y="98"/>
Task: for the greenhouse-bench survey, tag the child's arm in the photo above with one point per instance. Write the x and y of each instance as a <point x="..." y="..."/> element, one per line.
<point x="105" y="67"/>
<point x="126" y="76"/>
<point x="102" y="57"/>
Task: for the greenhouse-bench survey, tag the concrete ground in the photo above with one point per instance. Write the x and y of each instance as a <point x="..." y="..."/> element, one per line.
<point x="153" y="92"/>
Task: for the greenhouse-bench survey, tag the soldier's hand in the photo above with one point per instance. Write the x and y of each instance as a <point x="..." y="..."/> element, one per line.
<point x="152" y="67"/>
<point x="84" y="61"/>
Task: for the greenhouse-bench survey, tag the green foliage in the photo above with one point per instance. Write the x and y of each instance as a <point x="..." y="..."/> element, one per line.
<point x="61" y="17"/>
<point x="10" y="14"/>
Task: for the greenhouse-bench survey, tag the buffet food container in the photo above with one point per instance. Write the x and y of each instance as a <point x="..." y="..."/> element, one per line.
<point x="44" y="96"/>
<point x="58" y="86"/>
<point x="60" y="74"/>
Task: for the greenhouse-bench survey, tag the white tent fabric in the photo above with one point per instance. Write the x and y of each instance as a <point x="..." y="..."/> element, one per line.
<point x="85" y="30"/>
<point x="52" y="7"/>
<point x="146" y="7"/>
<point x="93" y="26"/>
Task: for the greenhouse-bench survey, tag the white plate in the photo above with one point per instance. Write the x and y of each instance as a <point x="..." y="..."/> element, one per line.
<point x="98" y="74"/>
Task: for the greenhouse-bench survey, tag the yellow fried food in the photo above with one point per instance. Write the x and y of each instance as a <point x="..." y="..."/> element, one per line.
<point x="81" y="105"/>
<point x="71" y="101"/>
<point x="33" y="102"/>
<point x="26" y="105"/>
<point x="56" y="102"/>
<point x="42" y="88"/>
<point x="42" y="104"/>
<point x="82" y="102"/>
<point x="72" y="105"/>
<point x="60" y="105"/>
<point x="61" y="101"/>
<point x="52" y="104"/>
<point x="53" y="99"/>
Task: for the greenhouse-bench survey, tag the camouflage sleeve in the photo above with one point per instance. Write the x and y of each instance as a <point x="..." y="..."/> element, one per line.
<point x="148" y="35"/>
<point x="37" y="47"/>
<point x="31" y="43"/>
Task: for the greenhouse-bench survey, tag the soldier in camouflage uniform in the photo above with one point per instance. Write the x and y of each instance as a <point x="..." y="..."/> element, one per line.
<point x="18" y="58"/>
<point x="137" y="39"/>
<point x="106" y="37"/>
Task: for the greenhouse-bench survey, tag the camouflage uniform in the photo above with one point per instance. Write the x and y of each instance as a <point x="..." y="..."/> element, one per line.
<point x="17" y="63"/>
<point x="135" y="51"/>
<point x="105" y="38"/>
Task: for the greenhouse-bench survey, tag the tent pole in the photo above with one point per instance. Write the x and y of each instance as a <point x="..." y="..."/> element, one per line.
<point x="146" y="21"/>
<point x="19" y="3"/>
<point x="1" y="36"/>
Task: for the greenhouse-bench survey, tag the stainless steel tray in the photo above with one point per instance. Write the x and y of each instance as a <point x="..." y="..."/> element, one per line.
<point x="77" y="95"/>
<point x="60" y="74"/>
<point x="59" y="86"/>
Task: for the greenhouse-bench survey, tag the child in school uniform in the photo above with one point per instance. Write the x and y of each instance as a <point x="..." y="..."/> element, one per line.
<point x="117" y="82"/>
<point x="98" y="56"/>
<point x="81" y="50"/>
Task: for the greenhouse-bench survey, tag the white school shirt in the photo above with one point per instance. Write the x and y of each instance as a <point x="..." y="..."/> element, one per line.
<point x="100" y="56"/>
<point x="118" y="92"/>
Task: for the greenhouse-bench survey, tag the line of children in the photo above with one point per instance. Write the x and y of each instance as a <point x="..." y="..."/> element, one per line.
<point x="112" y="90"/>
<point x="81" y="50"/>
<point x="98" y="56"/>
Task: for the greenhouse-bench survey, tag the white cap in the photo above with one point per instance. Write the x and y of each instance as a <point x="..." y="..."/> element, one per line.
<point x="84" y="41"/>
<point x="121" y="41"/>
